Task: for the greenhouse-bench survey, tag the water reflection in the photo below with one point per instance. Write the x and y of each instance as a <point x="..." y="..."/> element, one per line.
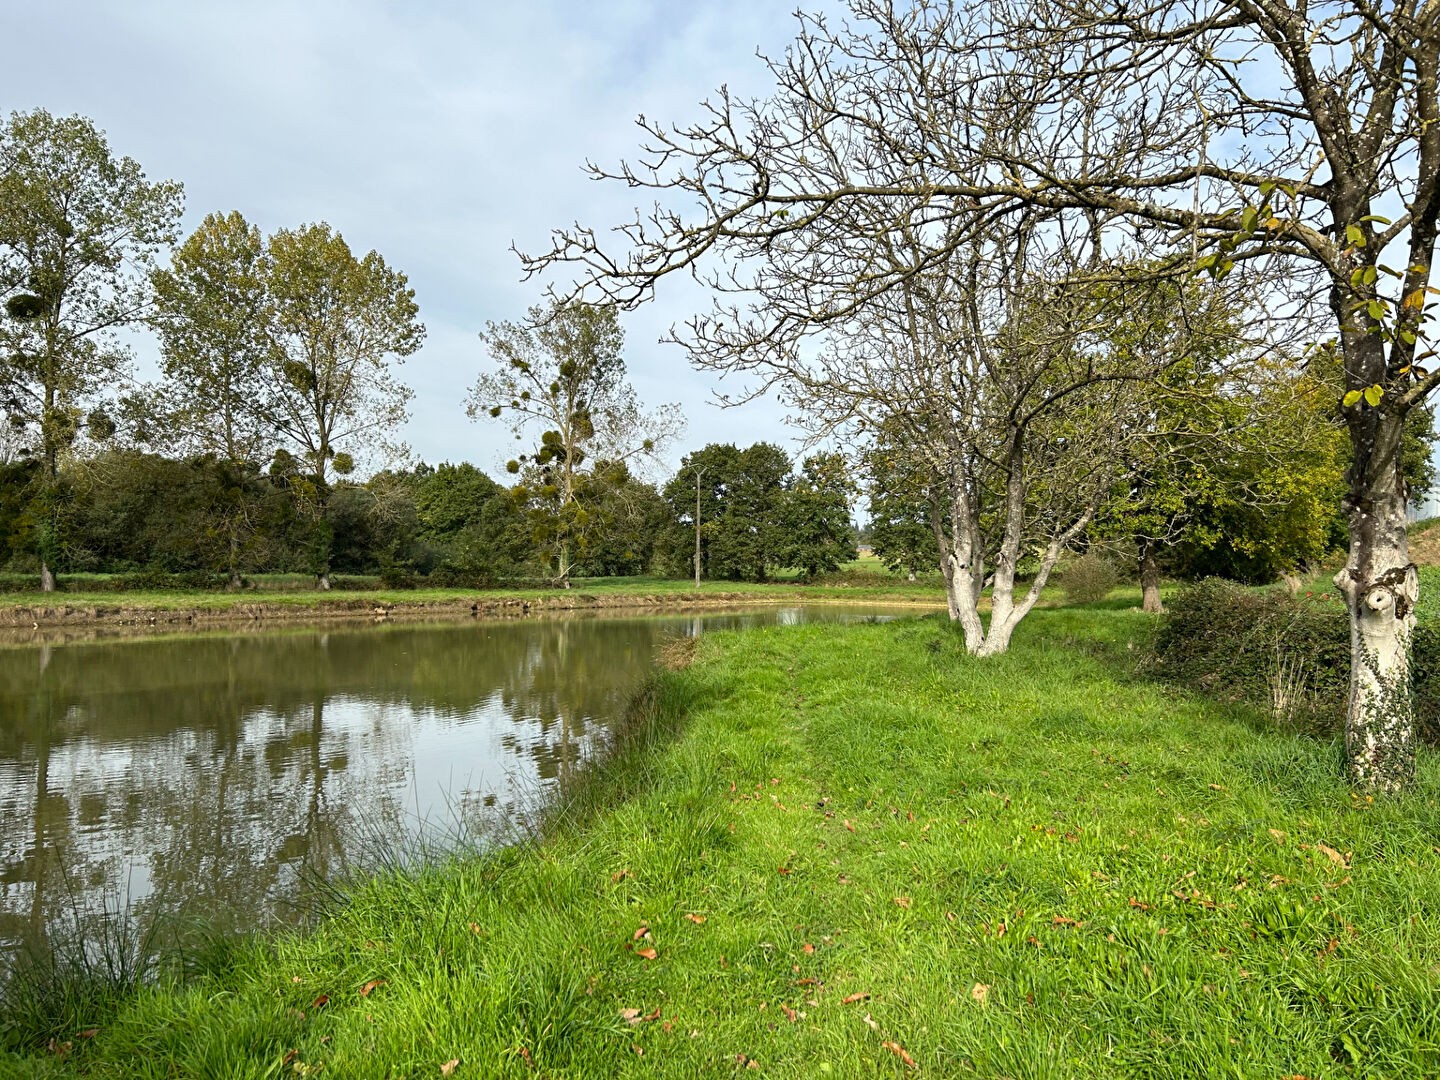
<point x="214" y="775"/>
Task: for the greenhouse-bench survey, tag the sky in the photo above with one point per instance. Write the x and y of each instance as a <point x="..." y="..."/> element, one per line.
<point x="438" y="134"/>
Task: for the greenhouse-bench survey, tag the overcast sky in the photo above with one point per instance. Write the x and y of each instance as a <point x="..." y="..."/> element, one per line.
<point x="434" y="133"/>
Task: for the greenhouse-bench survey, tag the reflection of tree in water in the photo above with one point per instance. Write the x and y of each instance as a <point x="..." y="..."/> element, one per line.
<point x="213" y="774"/>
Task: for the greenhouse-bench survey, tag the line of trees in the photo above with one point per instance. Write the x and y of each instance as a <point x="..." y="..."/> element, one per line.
<point x="133" y="512"/>
<point x="275" y="349"/>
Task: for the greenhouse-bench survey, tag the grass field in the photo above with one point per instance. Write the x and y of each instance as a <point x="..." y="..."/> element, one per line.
<point x="841" y="850"/>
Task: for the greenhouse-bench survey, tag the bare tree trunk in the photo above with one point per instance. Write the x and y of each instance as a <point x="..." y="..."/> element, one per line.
<point x="963" y="578"/>
<point x="1380" y="586"/>
<point x="1149" y="579"/>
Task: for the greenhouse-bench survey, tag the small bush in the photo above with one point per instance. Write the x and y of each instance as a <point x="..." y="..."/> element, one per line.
<point x="1089" y="579"/>
<point x="1280" y="652"/>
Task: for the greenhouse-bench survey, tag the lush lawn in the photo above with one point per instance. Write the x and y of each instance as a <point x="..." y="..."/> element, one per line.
<point x="838" y="849"/>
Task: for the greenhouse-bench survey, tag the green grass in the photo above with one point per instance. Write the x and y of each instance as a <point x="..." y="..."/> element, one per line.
<point x="858" y="588"/>
<point x="1142" y="884"/>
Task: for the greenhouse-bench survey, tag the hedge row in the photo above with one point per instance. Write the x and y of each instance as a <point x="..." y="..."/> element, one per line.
<point x="1284" y="653"/>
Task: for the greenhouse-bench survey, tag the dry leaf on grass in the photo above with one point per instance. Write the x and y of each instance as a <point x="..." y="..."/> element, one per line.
<point x="899" y="1051"/>
<point x="980" y="992"/>
<point x="448" y="1069"/>
<point x="648" y="954"/>
<point x="853" y="998"/>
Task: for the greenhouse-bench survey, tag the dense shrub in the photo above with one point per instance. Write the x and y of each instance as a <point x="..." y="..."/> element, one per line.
<point x="1290" y="655"/>
<point x="1089" y="579"/>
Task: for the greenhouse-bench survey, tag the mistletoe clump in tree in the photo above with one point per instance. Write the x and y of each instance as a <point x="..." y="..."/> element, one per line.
<point x="79" y="230"/>
<point x="562" y="372"/>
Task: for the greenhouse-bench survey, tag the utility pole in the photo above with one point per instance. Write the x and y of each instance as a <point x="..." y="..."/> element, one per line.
<point x="698" y="473"/>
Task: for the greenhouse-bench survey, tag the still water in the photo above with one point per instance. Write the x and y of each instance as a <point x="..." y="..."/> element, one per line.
<point x="217" y="777"/>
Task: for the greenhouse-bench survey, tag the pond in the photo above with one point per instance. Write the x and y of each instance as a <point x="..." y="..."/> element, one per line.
<point x="218" y="777"/>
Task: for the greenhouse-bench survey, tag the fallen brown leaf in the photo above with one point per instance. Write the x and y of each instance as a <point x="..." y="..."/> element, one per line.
<point x="648" y="954"/>
<point x="448" y="1069"/>
<point x="1333" y="855"/>
<point x="853" y="998"/>
<point x="369" y="987"/>
<point x="619" y="876"/>
<point x="807" y="948"/>
<point x="641" y="932"/>
<point x="903" y="901"/>
<point x="783" y="869"/>
<point x="979" y="992"/>
<point x="789" y="1012"/>
<point x="899" y="1051"/>
<point x="88" y="1033"/>
<point x="848" y="825"/>
<point x="696" y="919"/>
<point x="320" y="1002"/>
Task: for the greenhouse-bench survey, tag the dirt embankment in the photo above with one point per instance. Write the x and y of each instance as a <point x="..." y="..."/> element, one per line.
<point x="361" y="607"/>
<point x="1425" y="547"/>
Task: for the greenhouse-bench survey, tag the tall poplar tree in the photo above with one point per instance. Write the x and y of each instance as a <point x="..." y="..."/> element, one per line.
<point x="337" y="324"/>
<point x="213" y="314"/>
<point x="79" y="230"/>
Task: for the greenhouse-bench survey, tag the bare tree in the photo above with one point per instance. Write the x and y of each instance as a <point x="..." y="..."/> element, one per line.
<point x="1241" y="133"/>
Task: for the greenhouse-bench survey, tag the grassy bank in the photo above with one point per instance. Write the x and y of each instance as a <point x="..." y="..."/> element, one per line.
<point x="284" y="601"/>
<point x="844" y="849"/>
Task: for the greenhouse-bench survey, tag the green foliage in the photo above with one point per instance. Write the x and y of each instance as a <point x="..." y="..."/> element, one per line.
<point x="901" y="504"/>
<point x="817" y="535"/>
<point x="742" y="510"/>
<point x="1089" y="579"/>
<point x="1288" y="654"/>
<point x="78" y="230"/>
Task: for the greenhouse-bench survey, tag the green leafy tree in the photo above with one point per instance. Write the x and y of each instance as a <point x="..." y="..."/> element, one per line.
<point x="337" y="324"/>
<point x="816" y="531"/>
<point x="634" y="516"/>
<point x="213" y="317"/>
<point x="742" y="509"/>
<point x="561" y="375"/>
<point x="79" y="229"/>
<point x="903" y="506"/>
